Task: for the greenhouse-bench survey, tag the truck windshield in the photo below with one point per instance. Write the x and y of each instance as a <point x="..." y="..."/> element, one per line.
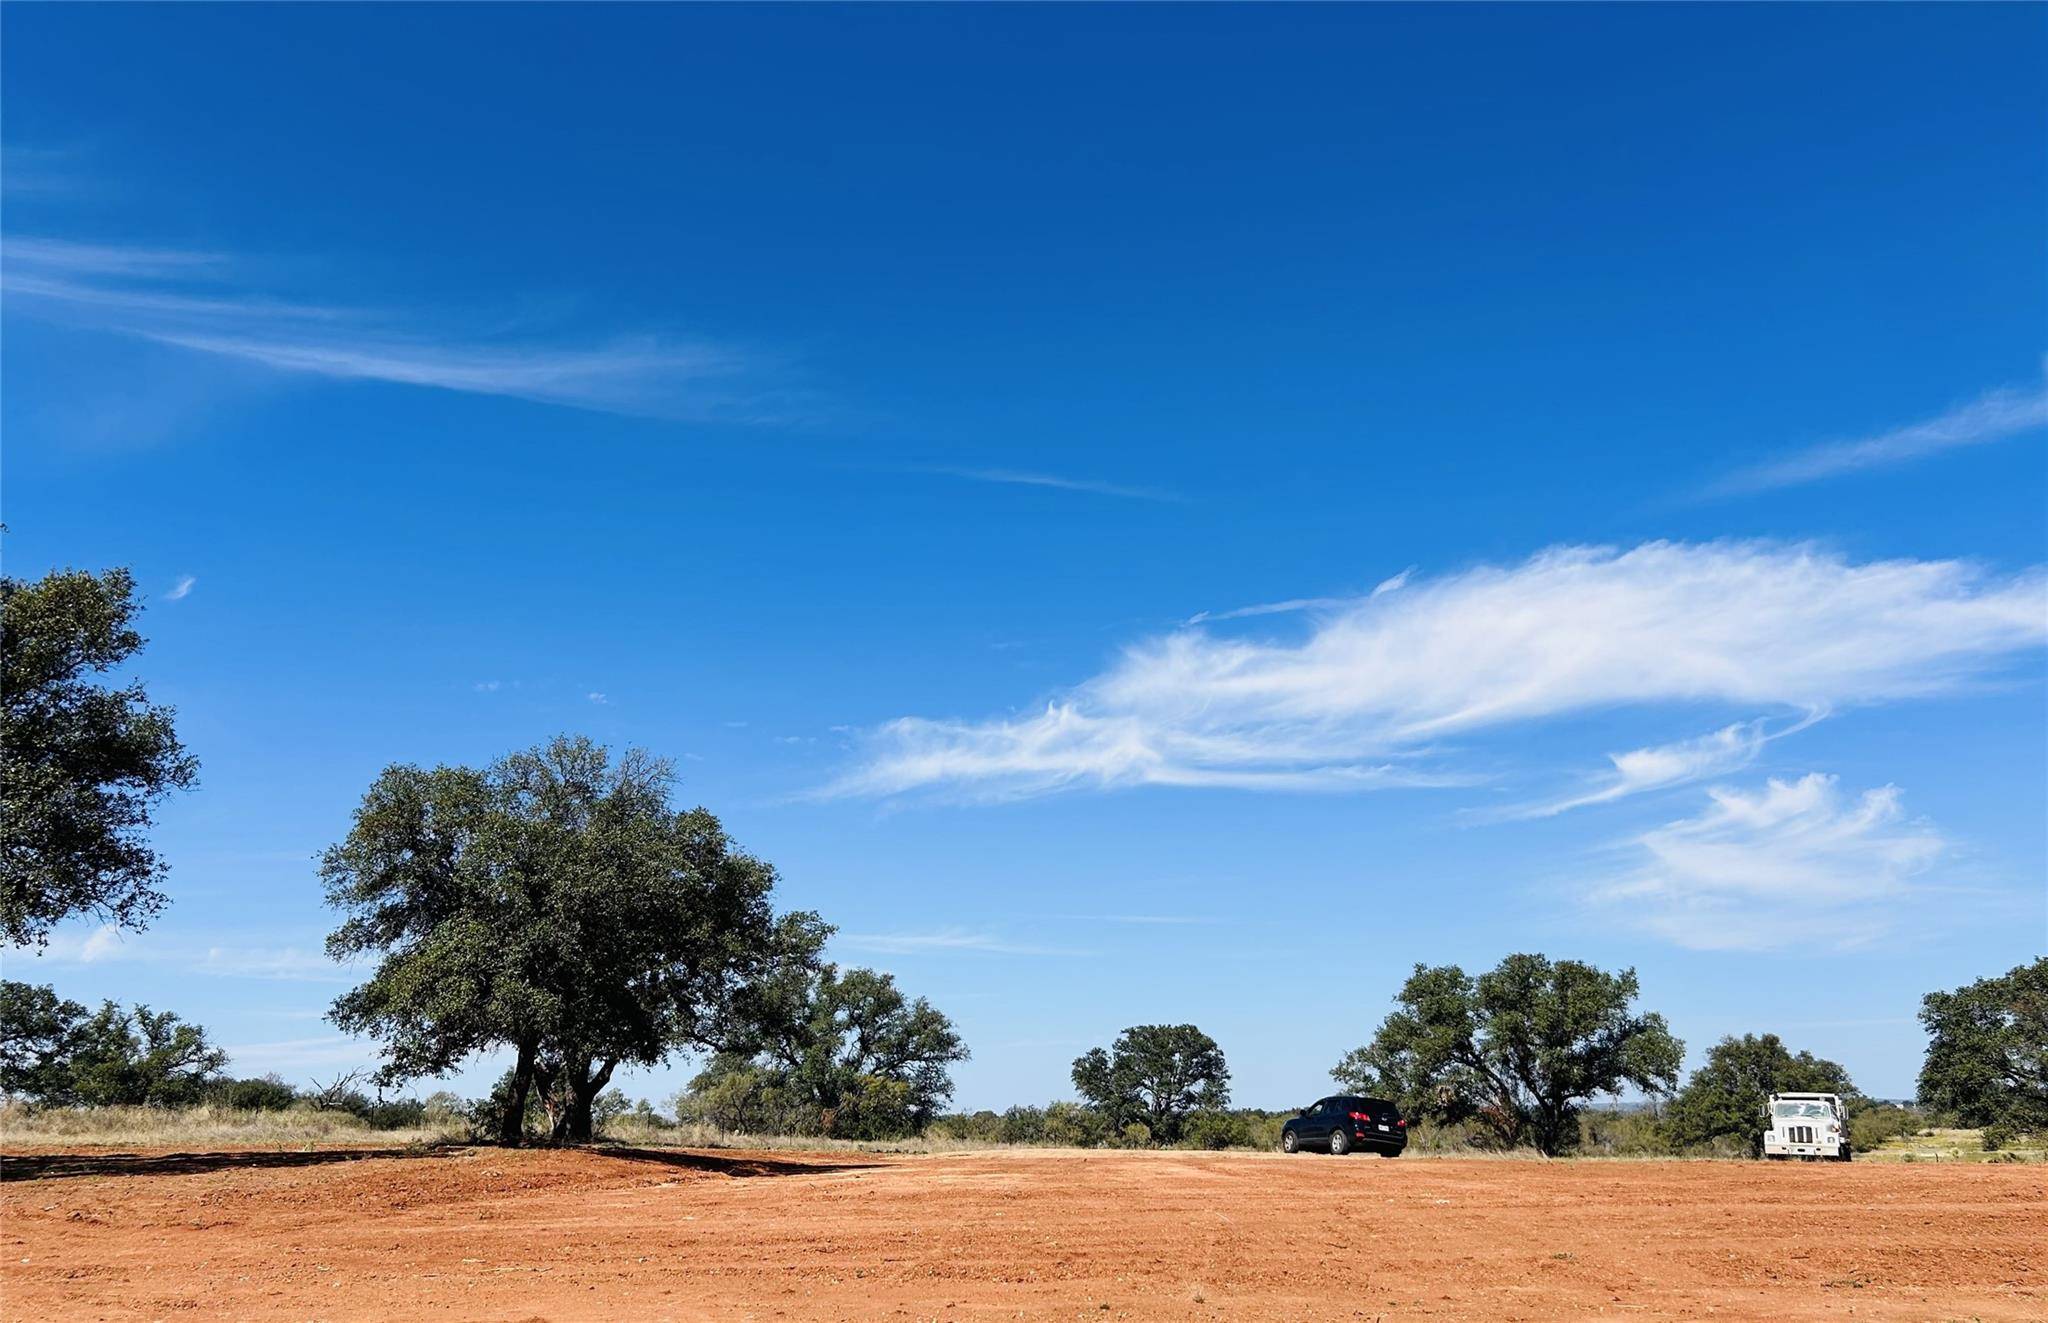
<point x="1803" y="1110"/>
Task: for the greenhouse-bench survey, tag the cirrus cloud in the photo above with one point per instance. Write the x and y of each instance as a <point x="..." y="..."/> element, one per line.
<point x="1795" y="863"/>
<point x="1378" y="682"/>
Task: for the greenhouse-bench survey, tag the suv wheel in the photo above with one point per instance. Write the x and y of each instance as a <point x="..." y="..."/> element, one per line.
<point x="1340" y="1143"/>
<point x="1289" y="1141"/>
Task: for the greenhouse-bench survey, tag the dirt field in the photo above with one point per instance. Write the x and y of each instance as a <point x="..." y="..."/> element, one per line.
<point x="645" y="1235"/>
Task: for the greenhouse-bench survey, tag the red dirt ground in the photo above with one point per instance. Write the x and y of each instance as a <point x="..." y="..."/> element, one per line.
<point x="637" y="1235"/>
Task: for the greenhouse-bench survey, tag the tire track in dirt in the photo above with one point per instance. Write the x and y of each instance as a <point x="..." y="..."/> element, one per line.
<point x="571" y="1235"/>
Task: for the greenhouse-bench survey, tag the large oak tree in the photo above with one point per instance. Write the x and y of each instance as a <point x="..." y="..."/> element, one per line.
<point x="1987" y="1053"/>
<point x="1515" y="1050"/>
<point x="553" y="903"/>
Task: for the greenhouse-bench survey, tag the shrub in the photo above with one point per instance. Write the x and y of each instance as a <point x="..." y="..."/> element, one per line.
<point x="268" y="1094"/>
<point x="872" y="1107"/>
<point x="983" y="1127"/>
<point x="1212" y="1129"/>
<point x="1870" y="1127"/>
<point x="1074" y="1126"/>
<point x="1022" y="1125"/>
<point x="1636" y="1132"/>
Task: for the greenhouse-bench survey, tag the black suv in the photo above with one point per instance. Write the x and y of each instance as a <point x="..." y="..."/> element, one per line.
<point x="1341" y="1124"/>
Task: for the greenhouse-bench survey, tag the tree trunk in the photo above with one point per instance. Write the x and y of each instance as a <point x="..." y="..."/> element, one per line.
<point x="575" y="1123"/>
<point x="512" y="1125"/>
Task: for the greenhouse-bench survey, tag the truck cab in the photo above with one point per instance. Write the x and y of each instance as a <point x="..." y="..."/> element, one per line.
<point x="1806" y="1125"/>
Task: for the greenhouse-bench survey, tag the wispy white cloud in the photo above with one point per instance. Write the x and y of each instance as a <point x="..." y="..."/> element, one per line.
<point x="182" y="588"/>
<point x="326" y="1051"/>
<point x="108" y="944"/>
<point x="63" y="255"/>
<point x="40" y="171"/>
<point x="1991" y="417"/>
<point x="1020" y="478"/>
<point x="943" y="941"/>
<point x="1663" y="766"/>
<point x="197" y="301"/>
<point x="1384" y="678"/>
<point x="288" y="963"/>
<point x="1295" y="604"/>
<point x="1158" y="920"/>
<point x="1796" y="863"/>
<point x="597" y="698"/>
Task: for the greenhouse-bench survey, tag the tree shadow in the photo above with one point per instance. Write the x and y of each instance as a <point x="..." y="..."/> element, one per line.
<point x="61" y="1166"/>
<point x="58" y="1166"/>
<point x="737" y="1165"/>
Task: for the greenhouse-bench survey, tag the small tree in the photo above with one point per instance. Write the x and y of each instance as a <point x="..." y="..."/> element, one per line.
<point x="82" y="764"/>
<point x="832" y="1052"/>
<point x="1154" y="1076"/>
<point x="1987" y="1055"/>
<point x="1516" y="1050"/>
<point x="1726" y="1096"/>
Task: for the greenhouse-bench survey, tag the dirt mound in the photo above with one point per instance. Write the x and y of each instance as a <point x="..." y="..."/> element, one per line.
<point x="471" y="1233"/>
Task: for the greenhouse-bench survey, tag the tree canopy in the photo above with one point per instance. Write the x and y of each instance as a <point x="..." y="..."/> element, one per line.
<point x="54" y="1051"/>
<point x="1987" y="1054"/>
<point x="1725" y="1097"/>
<point x="553" y="903"/>
<point x="1515" y="1050"/>
<point x="824" y="1051"/>
<point x="82" y="762"/>
<point x="1154" y="1075"/>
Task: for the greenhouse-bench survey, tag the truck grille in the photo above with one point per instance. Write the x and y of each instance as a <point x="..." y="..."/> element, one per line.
<point x="1799" y="1134"/>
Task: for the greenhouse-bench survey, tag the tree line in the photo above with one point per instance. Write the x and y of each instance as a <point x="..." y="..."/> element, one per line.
<point x="855" y="1059"/>
<point x="556" y="907"/>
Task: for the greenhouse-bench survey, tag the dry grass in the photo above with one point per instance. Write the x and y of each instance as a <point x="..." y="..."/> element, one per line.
<point x="24" y="1128"/>
<point x="1949" y="1146"/>
<point x="161" y="1127"/>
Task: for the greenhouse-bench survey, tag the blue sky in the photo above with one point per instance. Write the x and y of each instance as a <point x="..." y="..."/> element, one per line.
<point x="1141" y="513"/>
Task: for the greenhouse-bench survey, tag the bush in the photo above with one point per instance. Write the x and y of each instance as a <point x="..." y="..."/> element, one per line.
<point x="743" y="1099"/>
<point x="387" y="1114"/>
<point x="268" y="1094"/>
<point x="1073" y="1126"/>
<point x="872" y="1107"/>
<point x="1212" y="1129"/>
<point x="983" y="1127"/>
<point x="1635" y="1133"/>
<point x="1870" y="1127"/>
<point x="1022" y="1125"/>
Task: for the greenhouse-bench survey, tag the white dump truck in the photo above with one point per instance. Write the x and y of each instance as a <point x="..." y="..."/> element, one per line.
<point x="1806" y="1125"/>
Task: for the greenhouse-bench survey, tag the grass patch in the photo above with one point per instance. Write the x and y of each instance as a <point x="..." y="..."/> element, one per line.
<point x="206" y="1125"/>
<point x="1948" y="1145"/>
